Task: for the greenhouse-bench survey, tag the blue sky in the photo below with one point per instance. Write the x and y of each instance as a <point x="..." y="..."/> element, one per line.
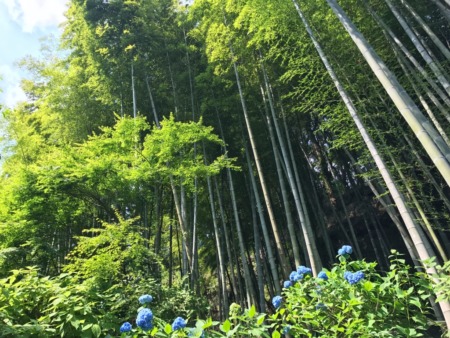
<point x="22" y="24"/>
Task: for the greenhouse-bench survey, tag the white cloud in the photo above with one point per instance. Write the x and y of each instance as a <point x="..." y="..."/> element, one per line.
<point x="36" y="14"/>
<point x="11" y="93"/>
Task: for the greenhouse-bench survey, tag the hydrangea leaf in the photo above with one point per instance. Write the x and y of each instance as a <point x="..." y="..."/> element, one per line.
<point x="168" y="329"/>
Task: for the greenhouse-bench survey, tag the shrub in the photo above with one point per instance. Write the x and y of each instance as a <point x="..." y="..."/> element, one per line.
<point x="351" y="299"/>
<point x="354" y="300"/>
<point x="35" y="306"/>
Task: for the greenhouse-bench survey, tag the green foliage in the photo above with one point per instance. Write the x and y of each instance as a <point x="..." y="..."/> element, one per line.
<point x="35" y="306"/>
<point x="111" y="253"/>
<point x="394" y="304"/>
<point x="170" y="152"/>
<point x="391" y="305"/>
<point x="180" y="301"/>
<point x="62" y="190"/>
<point x="247" y="323"/>
<point x="441" y="280"/>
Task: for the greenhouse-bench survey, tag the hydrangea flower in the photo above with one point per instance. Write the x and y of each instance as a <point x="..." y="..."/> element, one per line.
<point x="303" y="270"/>
<point x="178" y="324"/>
<point x="345" y="250"/>
<point x="353" y="278"/>
<point x="287" y="284"/>
<point x="145" y="299"/>
<point x="295" y="276"/>
<point x="347" y="274"/>
<point x="322" y="275"/>
<point x="276" y="301"/>
<point x="144" y="319"/>
<point x="126" y="327"/>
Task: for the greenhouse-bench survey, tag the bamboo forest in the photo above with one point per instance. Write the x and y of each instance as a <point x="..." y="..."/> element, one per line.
<point x="230" y="168"/>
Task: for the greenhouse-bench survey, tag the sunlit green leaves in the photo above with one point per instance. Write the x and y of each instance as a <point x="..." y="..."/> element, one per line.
<point x="379" y="304"/>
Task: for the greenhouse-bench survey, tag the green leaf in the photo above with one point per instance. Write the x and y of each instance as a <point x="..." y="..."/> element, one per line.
<point x="200" y="323"/>
<point x="226" y="326"/>
<point x="415" y="301"/>
<point x="209" y="322"/>
<point x="87" y="327"/>
<point x="232" y="332"/>
<point x="96" y="330"/>
<point x="168" y="329"/>
<point x="276" y="334"/>
<point x="368" y="286"/>
<point x="75" y="323"/>
<point x="252" y="311"/>
<point x="260" y="319"/>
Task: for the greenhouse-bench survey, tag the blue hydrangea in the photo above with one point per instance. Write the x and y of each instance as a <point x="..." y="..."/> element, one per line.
<point x="322" y="275"/>
<point x="353" y="278"/>
<point x="178" y="324"/>
<point x="286" y="329"/>
<point x="295" y="276"/>
<point x="276" y="301"/>
<point x="145" y="299"/>
<point x="321" y="306"/>
<point x="345" y="250"/>
<point x="303" y="270"/>
<point x="126" y="327"/>
<point x="347" y="274"/>
<point x="144" y="319"/>
<point x="287" y="284"/>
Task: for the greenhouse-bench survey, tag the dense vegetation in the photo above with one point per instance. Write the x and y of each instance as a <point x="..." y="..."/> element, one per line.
<point x="199" y="152"/>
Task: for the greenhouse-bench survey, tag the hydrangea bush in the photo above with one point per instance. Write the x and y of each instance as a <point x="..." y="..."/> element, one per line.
<point x="350" y="300"/>
<point x="354" y="300"/>
<point x="247" y="323"/>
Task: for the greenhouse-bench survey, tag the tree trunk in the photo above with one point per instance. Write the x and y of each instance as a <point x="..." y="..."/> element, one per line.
<point x="308" y="234"/>
<point x="247" y="276"/>
<point x="420" y="48"/>
<point x="319" y="212"/>
<point x="387" y="203"/>
<point x="187" y="249"/>
<point x="403" y="101"/>
<point x="429" y="138"/>
<point x="258" y="257"/>
<point x="280" y="250"/>
<point x="413" y="79"/>
<point x="445" y="11"/>
<point x="444" y="50"/>
<point x="266" y="235"/>
<point x="218" y="247"/>
<point x="227" y="240"/>
<point x="155" y="114"/>
<point x="444" y="97"/>
<point x="287" y="209"/>
<point x="133" y="91"/>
